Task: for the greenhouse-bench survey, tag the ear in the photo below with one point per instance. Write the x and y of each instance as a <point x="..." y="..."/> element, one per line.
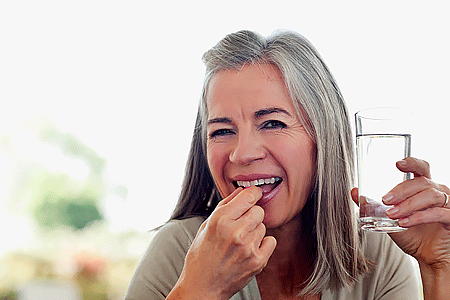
<point x="354" y="194"/>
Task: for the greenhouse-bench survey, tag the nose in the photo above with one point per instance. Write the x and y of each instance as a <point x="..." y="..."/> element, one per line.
<point x="247" y="149"/>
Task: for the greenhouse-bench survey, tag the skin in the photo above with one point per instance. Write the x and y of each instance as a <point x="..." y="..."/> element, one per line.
<point x="418" y="205"/>
<point x="253" y="131"/>
<point x="246" y="144"/>
<point x="236" y="236"/>
<point x="243" y="231"/>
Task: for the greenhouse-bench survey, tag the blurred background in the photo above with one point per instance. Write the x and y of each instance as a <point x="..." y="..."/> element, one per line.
<point x="98" y="103"/>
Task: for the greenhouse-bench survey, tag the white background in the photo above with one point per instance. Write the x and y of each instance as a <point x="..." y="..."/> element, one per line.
<point x="126" y="76"/>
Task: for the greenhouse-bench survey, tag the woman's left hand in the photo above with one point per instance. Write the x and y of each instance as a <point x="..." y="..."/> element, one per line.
<point x="418" y="204"/>
<point x="421" y="205"/>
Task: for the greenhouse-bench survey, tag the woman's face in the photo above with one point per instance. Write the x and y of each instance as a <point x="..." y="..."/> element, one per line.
<point x="256" y="137"/>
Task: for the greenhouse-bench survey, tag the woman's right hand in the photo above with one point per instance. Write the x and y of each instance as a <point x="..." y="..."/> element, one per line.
<point x="229" y="250"/>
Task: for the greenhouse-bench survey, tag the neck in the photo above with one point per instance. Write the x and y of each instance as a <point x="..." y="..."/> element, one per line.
<point x="292" y="261"/>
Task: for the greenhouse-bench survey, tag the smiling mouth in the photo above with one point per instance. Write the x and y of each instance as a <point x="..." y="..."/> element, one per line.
<point x="272" y="182"/>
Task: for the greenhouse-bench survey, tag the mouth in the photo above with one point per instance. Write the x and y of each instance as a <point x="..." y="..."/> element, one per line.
<point x="266" y="184"/>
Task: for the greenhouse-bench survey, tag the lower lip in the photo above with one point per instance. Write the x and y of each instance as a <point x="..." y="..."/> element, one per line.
<point x="266" y="198"/>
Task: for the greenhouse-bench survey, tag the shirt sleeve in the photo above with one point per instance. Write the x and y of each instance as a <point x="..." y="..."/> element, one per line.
<point x="392" y="275"/>
<point x="160" y="267"/>
<point x="396" y="277"/>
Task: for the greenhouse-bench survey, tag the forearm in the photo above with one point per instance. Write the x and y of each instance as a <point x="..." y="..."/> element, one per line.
<point x="185" y="291"/>
<point x="436" y="282"/>
<point x="179" y="293"/>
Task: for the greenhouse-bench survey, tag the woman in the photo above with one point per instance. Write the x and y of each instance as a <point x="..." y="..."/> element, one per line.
<point x="266" y="210"/>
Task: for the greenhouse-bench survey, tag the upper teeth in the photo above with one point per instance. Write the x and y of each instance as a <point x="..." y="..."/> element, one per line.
<point x="258" y="182"/>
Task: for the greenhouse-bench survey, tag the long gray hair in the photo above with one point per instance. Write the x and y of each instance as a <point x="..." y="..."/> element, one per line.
<point x="329" y="213"/>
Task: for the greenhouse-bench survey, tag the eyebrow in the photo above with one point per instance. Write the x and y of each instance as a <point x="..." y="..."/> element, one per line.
<point x="258" y="114"/>
<point x="220" y="120"/>
<point x="271" y="110"/>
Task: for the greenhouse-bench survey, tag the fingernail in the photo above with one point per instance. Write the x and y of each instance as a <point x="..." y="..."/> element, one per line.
<point x="388" y="198"/>
<point x="402" y="163"/>
<point x="403" y="222"/>
<point x="392" y="211"/>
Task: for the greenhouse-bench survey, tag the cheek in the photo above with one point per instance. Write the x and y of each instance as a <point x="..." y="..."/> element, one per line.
<point x="216" y="157"/>
<point x="299" y="161"/>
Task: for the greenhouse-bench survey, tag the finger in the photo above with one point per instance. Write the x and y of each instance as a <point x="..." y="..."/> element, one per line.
<point x="230" y="197"/>
<point x="424" y="200"/>
<point x="432" y="215"/>
<point x="242" y="202"/>
<point x="407" y="189"/>
<point x="262" y="254"/>
<point x="251" y="219"/>
<point x="268" y="245"/>
<point x="416" y="166"/>
<point x="257" y="235"/>
<point x="248" y="228"/>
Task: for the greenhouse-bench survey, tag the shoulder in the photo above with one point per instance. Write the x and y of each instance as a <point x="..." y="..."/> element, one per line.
<point x="162" y="263"/>
<point x="178" y="230"/>
<point x="173" y="240"/>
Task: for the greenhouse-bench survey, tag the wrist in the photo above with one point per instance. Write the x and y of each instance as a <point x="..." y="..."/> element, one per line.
<point x="435" y="280"/>
<point x="184" y="291"/>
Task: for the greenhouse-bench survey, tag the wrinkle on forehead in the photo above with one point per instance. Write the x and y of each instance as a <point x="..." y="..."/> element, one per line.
<point x="239" y="85"/>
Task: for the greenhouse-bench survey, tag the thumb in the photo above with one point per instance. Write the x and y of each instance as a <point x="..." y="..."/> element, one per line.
<point x="354" y="194"/>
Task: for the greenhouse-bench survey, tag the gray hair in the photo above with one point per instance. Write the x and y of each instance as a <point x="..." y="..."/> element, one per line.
<point x="329" y="213"/>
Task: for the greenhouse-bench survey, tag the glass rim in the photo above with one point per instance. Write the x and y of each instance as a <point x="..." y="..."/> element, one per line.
<point x="382" y="113"/>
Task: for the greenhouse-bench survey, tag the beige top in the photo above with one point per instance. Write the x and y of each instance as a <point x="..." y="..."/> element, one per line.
<point x="159" y="269"/>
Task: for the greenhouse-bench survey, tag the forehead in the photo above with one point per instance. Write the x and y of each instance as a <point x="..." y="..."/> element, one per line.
<point x="252" y="87"/>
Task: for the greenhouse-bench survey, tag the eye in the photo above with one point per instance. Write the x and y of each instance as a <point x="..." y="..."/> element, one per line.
<point x="273" y="124"/>
<point x="221" y="132"/>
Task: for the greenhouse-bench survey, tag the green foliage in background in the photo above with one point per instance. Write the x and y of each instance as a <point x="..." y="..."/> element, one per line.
<point x="59" y="182"/>
<point x="73" y="212"/>
<point x="56" y="199"/>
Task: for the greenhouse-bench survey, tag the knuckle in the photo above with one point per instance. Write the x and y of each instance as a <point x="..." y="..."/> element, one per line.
<point x="444" y="188"/>
<point x="262" y="229"/>
<point x="436" y="194"/>
<point x="237" y="238"/>
<point x="435" y="215"/>
<point x="412" y="160"/>
<point x="419" y="162"/>
<point x="219" y="211"/>
<point x="426" y="182"/>
<point x="419" y="218"/>
<point x="217" y="222"/>
<point x="245" y="252"/>
<point x="259" y="263"/>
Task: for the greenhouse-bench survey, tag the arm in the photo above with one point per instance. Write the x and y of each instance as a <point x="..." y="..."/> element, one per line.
<point x="436" y="281"/>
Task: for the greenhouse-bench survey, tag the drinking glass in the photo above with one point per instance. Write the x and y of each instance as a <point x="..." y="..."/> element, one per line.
<point x="382" y="139"/>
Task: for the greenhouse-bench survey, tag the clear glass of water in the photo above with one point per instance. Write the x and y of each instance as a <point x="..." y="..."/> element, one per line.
<point x="382" y="139"/>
